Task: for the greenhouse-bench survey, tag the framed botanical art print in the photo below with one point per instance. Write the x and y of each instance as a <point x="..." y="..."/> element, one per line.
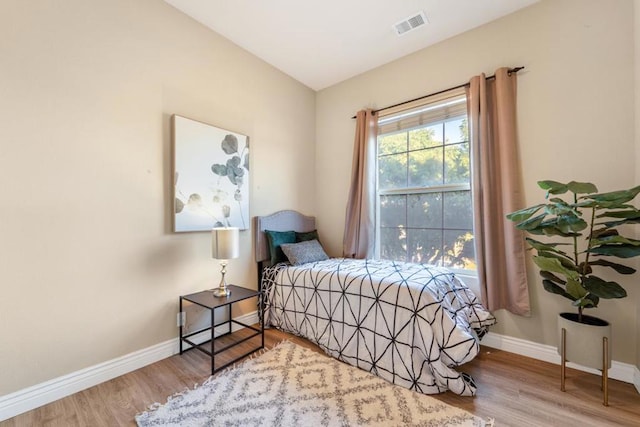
<point x="211" y="176"/>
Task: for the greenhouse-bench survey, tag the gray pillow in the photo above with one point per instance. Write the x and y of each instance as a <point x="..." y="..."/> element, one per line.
<point x="303" y="252"/>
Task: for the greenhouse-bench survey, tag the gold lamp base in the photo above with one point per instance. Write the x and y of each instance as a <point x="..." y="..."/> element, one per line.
<point x="222" y="290"/>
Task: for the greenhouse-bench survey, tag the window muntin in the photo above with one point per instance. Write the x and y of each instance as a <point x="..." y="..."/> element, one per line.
<point x="424" y="187"/>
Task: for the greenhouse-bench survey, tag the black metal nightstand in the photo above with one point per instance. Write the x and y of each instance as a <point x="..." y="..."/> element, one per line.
<point x="207" y="300"/>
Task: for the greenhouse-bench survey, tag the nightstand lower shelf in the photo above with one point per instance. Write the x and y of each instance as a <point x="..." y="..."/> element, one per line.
<point x="229" y="339"/>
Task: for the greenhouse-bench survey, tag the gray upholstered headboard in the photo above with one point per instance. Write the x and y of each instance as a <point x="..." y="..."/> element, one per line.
<point x="279" y="221"/>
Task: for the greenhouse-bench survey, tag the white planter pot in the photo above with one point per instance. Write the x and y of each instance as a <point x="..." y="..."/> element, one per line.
<point x="584" y="340"/>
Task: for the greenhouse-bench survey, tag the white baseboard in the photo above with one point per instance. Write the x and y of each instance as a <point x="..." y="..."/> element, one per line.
<point x="636" y="379"/>
<point x="619" y="371"/>
<point x="40" y="394"/>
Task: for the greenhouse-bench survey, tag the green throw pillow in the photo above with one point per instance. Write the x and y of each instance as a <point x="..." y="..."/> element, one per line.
<point x="307" y="235"/>
<point x="275" y="239"/>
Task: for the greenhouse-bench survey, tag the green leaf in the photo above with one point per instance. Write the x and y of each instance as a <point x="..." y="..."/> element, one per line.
<point x="523" y="214"/>
<point x="555" y="266"/>
<point x="626" y="214"/>
<point x="603" y="289"/>
<point x="536" y="231"/>
<point x="554" y="231"/>
<point x="604" y="240"/>
<point x="553" y="187"/>
<point x="588" y="301"/>
<point x="550" y="247"/>
<point x="586" y="203"/>
<point x="603" y="232"/>
<point x="531" y="223"/>
<point x="551" y="227"/>
<point x="563" y="258"/>
<point x="570" y="223"/>
<point x="612" y="224"/>
<point x="575" y="289"/>
<point x="582" y="187"/>
<point x="552" y="277"/>
<point x="613" y="205"/>
<point x="620" y="251"/>
<point x="602" y="204"/>
<point x="549" y="286"/>
<point x="621" y="196"/>
<point x="622" y="269"/>
<point x="560" y="209"/>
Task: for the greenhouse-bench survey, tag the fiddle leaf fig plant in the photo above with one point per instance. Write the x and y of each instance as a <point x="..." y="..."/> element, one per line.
<point x="581" y="236"/>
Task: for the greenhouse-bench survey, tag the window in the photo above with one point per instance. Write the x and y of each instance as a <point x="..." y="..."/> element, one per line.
<point x="425" y="211"/>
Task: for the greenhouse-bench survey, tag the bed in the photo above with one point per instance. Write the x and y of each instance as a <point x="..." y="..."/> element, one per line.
<point x="411" y="324"/>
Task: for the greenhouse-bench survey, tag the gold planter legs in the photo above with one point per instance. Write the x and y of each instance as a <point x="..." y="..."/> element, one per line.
<point x="605" y="365"/>
<point x="605" y="370"/>
<point x="563" y="355"/>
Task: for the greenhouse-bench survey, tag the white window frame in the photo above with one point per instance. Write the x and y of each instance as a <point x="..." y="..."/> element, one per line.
<point x="469" y="276"/>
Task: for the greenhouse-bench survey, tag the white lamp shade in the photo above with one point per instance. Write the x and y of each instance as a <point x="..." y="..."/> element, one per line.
<point x="225" y="243"/>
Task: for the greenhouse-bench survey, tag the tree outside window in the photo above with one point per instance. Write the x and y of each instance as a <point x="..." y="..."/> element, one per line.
<point x="424" y="194"/>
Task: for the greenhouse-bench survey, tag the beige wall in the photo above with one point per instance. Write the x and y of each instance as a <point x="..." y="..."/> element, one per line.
<point x="576" y="121"/>
<point x="89" y="268"/>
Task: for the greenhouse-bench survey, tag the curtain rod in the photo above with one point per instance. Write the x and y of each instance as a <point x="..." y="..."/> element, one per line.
<point x="511" y="70"/>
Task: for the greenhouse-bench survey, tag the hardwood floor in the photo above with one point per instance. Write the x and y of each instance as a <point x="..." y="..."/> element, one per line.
<point x="514" y="390"/>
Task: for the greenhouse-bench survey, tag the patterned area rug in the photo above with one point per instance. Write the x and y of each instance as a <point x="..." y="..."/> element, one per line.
<point x="293" y="386"/>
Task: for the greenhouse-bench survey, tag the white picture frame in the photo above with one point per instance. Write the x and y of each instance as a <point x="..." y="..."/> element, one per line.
<point x="211" y="176"/>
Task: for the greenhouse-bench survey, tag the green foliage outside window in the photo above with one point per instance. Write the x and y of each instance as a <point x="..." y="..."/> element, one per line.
<point x="434" y="227"/>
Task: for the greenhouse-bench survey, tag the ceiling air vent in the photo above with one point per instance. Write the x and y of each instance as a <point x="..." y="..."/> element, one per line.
<point x="410" y="23"/>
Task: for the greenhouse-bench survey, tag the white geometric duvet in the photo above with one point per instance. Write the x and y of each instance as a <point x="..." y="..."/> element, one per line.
<point x="410" y="324"/>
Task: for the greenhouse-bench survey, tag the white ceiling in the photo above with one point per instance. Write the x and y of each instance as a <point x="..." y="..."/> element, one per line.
<point x="323" y="42"/>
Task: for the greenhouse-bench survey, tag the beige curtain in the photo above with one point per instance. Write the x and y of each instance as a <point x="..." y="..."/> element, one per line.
<point x="359" y="227"/>
<point x="497" y="191"/>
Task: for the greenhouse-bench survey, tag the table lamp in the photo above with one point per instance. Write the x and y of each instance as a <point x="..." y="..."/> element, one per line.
<point x="224" y="246"/>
